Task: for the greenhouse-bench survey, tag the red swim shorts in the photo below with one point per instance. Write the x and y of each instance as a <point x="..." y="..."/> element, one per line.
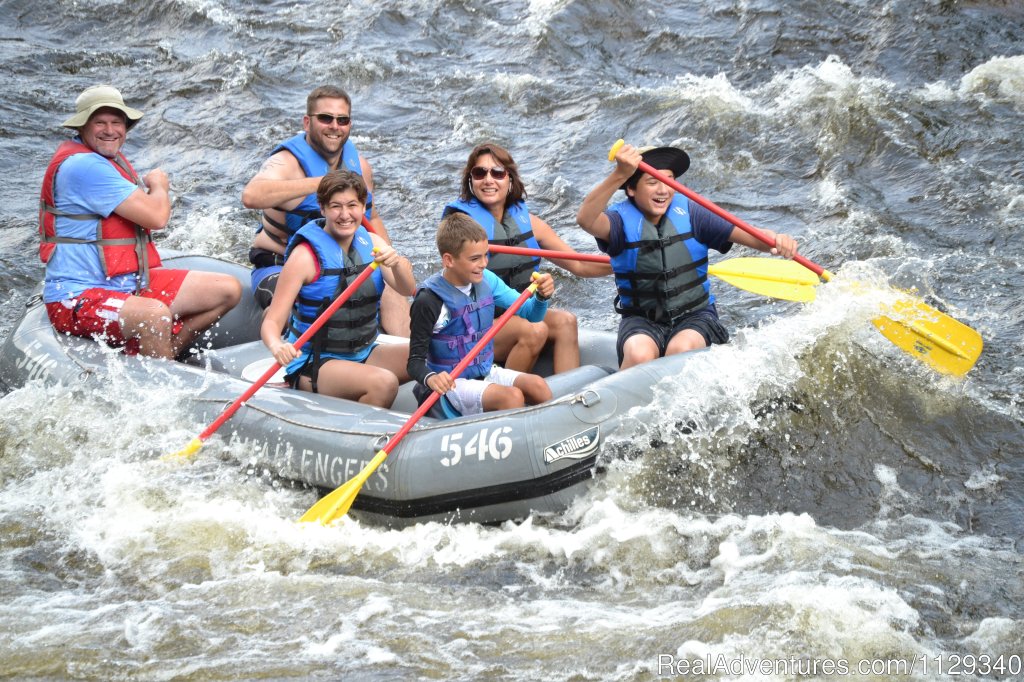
<point x="97" y="312"/>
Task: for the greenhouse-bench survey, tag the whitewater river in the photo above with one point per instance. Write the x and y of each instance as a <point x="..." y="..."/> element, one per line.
<point x="804" y="502"/>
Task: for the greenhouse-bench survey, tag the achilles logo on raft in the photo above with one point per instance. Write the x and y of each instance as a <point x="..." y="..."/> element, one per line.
<point x="578" y="446"/>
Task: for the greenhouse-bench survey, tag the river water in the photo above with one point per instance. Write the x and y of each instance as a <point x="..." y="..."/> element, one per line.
<point x="805" y="498"/>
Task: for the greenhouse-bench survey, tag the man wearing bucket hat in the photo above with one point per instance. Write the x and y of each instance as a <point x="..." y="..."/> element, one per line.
<point x="96" y="215"/>
<point x="658" y="242"/>
<point x="284" y="189"/>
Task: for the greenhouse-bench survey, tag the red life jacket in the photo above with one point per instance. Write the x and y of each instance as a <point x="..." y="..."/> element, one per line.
<point x="124" y="247"/>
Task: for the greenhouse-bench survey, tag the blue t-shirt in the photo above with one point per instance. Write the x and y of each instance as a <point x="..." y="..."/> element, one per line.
<point x="86" y="183"/>
<point x="709" y="229"/>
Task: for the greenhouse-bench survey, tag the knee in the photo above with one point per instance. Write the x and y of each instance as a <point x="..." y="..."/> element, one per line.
<point x="562" y="324"/>
<point x="536" y="336"/>
<point x="149" y="317"/>
<point x="536" y="390"/>
<point x="384" y="389"/>
<point x="635" y="356"/>
<point x="511" y="398"/>
<point x="685" y="342"/>
<point x="231" y="292"/>
<point x="155" y="313"/>
<point x="637" y="350"/>
<point x="388" y="383"/>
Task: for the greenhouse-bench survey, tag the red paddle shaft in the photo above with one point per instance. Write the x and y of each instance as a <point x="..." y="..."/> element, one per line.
<point x="721" y="212"/>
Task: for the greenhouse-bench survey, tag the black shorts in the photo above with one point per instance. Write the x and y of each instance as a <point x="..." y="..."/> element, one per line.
<point x="704" y="321"/>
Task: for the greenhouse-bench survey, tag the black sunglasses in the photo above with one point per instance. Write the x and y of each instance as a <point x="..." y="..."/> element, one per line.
<point x="326" y="119"/>
<point x="479" y="172"/>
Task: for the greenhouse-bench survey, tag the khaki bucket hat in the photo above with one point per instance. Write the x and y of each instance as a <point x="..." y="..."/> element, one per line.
<point x="97" y="97"/>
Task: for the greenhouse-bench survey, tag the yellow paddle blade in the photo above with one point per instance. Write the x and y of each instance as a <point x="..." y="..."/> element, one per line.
<point x="187" y="452"/>
<point x="337" y="503"/>
<point x="775" y="277"/>
<point x="938" y="340"/>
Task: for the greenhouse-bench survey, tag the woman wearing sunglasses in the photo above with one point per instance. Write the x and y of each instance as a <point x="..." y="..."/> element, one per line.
<point x="493" y="194"/>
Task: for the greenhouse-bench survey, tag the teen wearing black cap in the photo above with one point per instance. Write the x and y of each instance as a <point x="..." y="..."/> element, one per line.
<point x="658" y="242"/>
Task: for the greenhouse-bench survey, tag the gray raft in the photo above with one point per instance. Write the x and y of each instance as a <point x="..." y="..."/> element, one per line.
<point x="488" y="468"/>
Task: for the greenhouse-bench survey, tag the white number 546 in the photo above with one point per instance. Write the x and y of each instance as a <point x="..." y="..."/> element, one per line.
<point x="495" y="443"/>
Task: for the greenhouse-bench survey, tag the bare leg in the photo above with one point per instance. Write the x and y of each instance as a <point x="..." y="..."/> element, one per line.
<point x="498" y="397"/>
<point x="638" y="349"/>
<point x="519" y="343"/>
<point x="535" y="390"/>
<point x="355" y="381"/>
<point x="685" y="341"/>
<point x="563" y="335"/>
<point x="393" y="357"/>
<point x="149" y="321"/>
<point x="204" y="298"/>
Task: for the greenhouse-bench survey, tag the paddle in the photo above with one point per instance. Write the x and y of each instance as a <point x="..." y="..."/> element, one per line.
<point x="781" y="279"/>
<point x="337" y="503"/>
<point x="189" y="450"/>
<point x="938" y="340"/>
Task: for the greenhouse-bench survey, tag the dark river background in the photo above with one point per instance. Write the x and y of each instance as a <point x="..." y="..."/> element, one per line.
<point x="807" y="494"/>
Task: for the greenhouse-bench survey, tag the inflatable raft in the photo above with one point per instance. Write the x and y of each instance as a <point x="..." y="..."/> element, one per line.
<point x="487" y="468"/>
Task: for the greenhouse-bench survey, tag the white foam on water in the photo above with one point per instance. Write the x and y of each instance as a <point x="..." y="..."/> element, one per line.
<point x="199" y="557"/>
<point x="800" y="91"/>
<point x="214" y="11"/>
<point x="765" y="361"/>
<point x="998" y="636"/>
<point x="714" y="93"/>
<point x="984" y="480"/>
<point x="540" y="13"/>
<point x="211" y="231"/>
<point x="1002" y="77"/>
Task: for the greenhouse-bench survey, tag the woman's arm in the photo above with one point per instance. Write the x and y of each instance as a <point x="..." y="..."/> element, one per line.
<point x="549" y="239"/>
<point x="397" y="270"/>
<point x="300" y="269"/>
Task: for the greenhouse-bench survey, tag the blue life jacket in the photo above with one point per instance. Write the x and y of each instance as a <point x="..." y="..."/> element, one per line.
<point x="354" y="325"/>
<point x="514" y="271"/>
<point x="313" y="165"/>
<point x="662" y="273"/>
<point x="470" y="318"/>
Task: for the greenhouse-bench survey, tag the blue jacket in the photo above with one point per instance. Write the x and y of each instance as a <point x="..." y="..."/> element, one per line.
<point x="354" y="325"/>
<point x="313" y="165"/>
<point x="471" y="317"/>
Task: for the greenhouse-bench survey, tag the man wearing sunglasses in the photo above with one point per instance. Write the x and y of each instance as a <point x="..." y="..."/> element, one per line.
<point x="285" y="190"/>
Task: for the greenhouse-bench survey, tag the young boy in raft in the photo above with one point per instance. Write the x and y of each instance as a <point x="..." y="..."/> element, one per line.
<point x="342" y="359"/>
<point x="658" y="242"/>
<point x="452" y="311"/>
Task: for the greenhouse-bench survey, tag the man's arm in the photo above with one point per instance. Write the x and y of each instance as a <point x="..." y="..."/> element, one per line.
<point x="280" y="183"/>
<point x="710" y="229"/>
<point x="549" y="239"/>
<point x="375" y="219"/>
<point x="591" y="215"/>
<point x="152" y="209"/>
